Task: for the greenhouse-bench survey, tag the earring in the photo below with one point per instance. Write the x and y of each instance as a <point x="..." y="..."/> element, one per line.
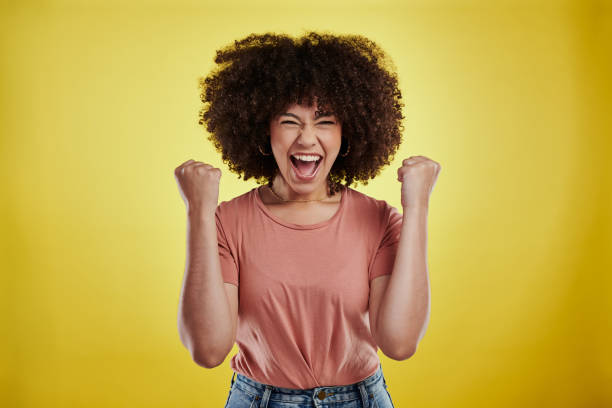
<point x="348" y="148"/>
<point x="262" y="152"/>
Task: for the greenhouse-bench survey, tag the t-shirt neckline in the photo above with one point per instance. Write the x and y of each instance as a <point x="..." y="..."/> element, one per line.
<point x="278" y="220"/>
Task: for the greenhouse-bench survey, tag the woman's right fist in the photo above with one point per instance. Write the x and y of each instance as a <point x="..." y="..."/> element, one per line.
<point x="199" y="186"/>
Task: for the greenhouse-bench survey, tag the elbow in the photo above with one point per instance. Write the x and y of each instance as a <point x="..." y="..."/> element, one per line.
<point x="401" y="353"/>
<point x="207" y="356"/>
<point x="401" y="347"/>
<point x="207" y="360"/>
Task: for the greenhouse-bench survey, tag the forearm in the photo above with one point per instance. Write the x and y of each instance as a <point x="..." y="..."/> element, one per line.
<point x="405" y="306"/>
<point x="204" y="321"/>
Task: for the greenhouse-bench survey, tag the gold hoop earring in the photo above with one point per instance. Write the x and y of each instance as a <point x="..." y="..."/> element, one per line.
<point x="348" y="149"/>
<point x="262" y="152"/>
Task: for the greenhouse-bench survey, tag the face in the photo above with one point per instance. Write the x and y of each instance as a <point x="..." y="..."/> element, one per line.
<point x="302" y="129"/>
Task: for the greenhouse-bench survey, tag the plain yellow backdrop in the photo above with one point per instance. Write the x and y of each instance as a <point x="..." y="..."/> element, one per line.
<point x="99" y="105"/>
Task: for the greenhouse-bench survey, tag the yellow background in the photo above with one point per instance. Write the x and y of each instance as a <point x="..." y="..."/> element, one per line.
<point x="99" y="105"/>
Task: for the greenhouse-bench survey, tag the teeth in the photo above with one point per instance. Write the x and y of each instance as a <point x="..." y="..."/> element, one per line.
<point x="303" y="157"/>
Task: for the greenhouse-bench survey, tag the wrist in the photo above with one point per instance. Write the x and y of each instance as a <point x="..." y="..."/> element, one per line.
<point x="421" y="207"/>
<point x="200" y="215"/>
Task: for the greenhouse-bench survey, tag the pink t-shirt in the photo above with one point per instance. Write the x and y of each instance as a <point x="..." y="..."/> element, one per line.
<point x="303" y="289"/>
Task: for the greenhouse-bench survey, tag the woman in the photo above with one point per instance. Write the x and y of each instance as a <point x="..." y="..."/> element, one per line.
<point x="309" y="276"/>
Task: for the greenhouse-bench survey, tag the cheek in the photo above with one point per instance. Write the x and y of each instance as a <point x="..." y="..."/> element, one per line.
<point x="337" y="141"/>
<point x="279" y="143"/>
<point x="281" y="154"/>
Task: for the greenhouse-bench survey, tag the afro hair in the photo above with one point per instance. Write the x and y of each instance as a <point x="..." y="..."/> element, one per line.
<point x="259" y="76"/>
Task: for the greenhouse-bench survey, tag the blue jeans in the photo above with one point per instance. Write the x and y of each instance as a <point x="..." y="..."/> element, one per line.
<point x="369" y="393"/>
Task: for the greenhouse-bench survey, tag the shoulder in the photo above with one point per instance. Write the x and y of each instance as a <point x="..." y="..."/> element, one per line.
<point x="229" y="212"/>
<point x="370" y="206"/>
<point x="237" y="202"/>
<point x="374" y="218"/>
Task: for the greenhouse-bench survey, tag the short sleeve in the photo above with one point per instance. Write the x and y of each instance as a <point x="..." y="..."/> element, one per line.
<point x="384" y="258"/>
<point x="229" y="264"/>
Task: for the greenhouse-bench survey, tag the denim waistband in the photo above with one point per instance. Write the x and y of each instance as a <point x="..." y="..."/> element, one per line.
<point x="357" y="391"/>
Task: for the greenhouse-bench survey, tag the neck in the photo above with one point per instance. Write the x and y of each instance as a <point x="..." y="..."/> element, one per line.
<point x="283" y="189"/>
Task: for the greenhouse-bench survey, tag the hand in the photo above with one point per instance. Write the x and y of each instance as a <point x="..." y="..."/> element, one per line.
<point x="199" y="186"/>
<point x="418" y="176"/>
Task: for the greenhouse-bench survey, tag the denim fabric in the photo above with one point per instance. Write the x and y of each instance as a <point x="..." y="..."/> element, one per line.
<point x="369" y="393"/>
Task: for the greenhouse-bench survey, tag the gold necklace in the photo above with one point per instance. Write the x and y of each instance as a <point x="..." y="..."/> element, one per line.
<point x="282" y="199"/>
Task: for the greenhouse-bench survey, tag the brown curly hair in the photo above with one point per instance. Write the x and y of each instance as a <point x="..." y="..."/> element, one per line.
<point x="260" y="75"/>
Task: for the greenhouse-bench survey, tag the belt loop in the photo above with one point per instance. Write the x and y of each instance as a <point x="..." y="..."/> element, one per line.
<point x="266" y="397"/>
<point x="364" y="395"/>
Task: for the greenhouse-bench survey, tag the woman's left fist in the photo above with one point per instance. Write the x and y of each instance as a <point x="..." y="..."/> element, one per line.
<point x="418" y="176"/>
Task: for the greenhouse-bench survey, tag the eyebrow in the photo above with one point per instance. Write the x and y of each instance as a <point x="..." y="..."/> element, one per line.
<point x="317" y="114"/>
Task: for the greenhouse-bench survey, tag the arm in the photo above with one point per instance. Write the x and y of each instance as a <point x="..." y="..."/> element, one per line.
<point x="207" y="314"/>
<point x="404" y="307"/>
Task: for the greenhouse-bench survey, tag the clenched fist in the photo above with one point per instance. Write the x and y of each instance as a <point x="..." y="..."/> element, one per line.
<point x="418" y="176"/>
<point x="199" y="186"/>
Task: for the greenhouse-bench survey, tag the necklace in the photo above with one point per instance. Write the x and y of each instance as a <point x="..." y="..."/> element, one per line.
<point x="282" y="199"/>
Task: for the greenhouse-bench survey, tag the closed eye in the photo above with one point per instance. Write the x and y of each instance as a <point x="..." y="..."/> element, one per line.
<point x="320" y="123"/>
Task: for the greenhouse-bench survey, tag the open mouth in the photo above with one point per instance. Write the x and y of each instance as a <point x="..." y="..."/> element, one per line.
<point x="305" y="168"/>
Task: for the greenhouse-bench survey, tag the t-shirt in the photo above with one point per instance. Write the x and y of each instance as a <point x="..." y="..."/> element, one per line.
<point x="303" y="289"/>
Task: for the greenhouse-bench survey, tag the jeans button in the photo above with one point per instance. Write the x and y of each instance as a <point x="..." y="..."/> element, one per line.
<point x="321" y="394"/>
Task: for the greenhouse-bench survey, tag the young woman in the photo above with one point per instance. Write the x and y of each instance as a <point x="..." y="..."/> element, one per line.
<point x="309" y="276"/>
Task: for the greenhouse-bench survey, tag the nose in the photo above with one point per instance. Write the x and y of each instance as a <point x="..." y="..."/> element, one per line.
<point x="307" y="135"/>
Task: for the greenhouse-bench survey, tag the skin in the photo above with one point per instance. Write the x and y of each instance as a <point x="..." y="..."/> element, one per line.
<point x="300" y="130"/>
<point x="400" y="302"/>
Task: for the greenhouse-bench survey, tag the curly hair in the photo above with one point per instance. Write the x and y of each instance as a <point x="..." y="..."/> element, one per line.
<point x="259" y="76"/>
